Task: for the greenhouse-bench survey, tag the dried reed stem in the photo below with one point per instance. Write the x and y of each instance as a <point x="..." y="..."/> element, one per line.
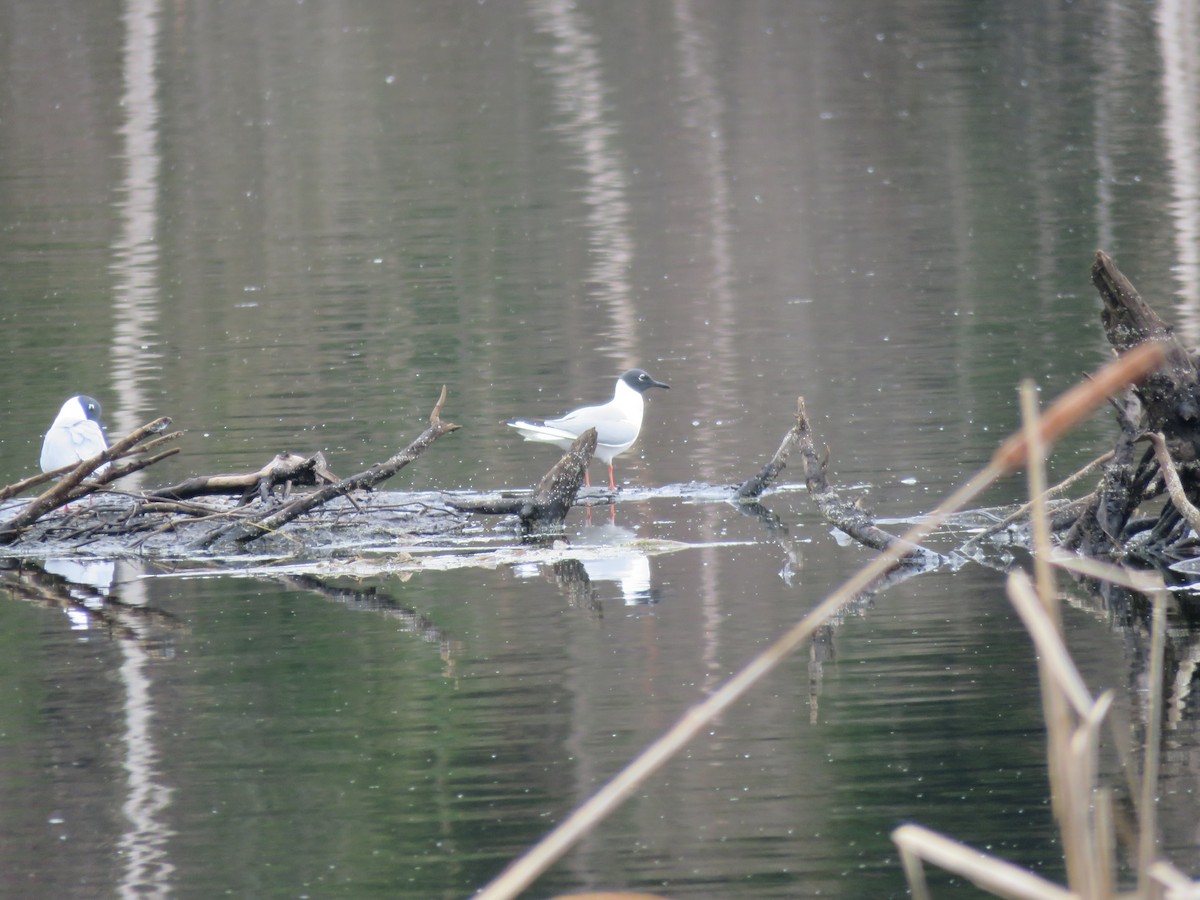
<point x="1048" y="642"/>
<point x="1073" y="723"/>
<point x="1004" y="879"/>
<point x="1057" y="672"/>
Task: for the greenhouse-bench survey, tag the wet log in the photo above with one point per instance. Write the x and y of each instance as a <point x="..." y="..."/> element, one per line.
<point x="554" y="495"/>
<point x="1165" y="409"/>
<point x="1171" y="396"/>
<point x="286" y="470"/>
<point x="244" y="532"/>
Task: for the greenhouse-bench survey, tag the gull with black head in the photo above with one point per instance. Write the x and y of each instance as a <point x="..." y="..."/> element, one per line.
<point x="75" y="435"/>
<point x="617" y="422"/>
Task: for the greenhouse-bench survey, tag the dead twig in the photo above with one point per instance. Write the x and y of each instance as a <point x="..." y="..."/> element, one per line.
<point x="1022" y="511"/>
<point x="284" y="469"/>
<point x="249" y="531"/>
<point x="1170" y="474"/>
<point x="752" y="488"/>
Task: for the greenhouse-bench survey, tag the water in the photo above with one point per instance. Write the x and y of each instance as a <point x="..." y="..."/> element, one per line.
<point x="287" y="225"/>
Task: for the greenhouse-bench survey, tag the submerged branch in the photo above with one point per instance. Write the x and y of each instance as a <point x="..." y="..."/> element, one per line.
<point x="1174" y="485"/>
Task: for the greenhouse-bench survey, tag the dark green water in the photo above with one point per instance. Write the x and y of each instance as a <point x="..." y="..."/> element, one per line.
<point x="286" y="225"/>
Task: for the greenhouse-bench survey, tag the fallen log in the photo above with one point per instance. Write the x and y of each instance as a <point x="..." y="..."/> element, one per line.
<point x="286" y="470"/>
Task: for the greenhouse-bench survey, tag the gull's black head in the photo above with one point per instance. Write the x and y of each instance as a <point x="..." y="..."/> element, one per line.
<point x="641" y="380"/>
<point x="90" y="407"/>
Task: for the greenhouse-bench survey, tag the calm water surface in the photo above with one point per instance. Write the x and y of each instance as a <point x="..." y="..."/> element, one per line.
<point x="286" y="225"/>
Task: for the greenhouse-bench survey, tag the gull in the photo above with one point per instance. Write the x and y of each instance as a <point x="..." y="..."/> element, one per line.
<point x="74" y="436"/>
<point x="617" y="422"/>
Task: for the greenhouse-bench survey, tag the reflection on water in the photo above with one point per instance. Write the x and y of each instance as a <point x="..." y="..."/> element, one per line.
<point x="629" y="569"/>
<point x="144" y="844"/>
<point x="1179" y="38"/>
<point x="582" y="100"/>
<point x="606" y="555"/>
<point x="323" y="211"/>
<point x="135" y="250"/>
<point x="89" y="580"/>
<point x="109" y="606"/>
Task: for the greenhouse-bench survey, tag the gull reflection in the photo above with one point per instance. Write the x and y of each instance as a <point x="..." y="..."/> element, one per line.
<point x="87" y="581"/>
<point x="627" y="567"/>
<point x="605" y="553"/>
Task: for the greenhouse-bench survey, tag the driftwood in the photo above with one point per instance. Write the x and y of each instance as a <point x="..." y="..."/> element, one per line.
<point x="1163" y="410"/>
<point x="286" y="470"/>
<point x="552" y="499"/>
<point x="850" y="518"/>
<point x="1155" y="457"/>
<point x="188" y="509"/>
<point x="244" y="532"/>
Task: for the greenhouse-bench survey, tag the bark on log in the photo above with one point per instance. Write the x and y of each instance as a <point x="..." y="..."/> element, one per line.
<point x="554" y="494"/>
<point x="1169" y="401"/>
<point x="285" y="470"/>
<point x="1171" y="396"/>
